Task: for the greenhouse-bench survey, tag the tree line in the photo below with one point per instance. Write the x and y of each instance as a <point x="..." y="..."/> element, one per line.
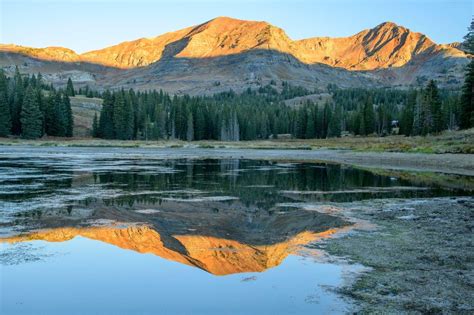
<point x="263" y="114"/>
<point x="29" y="108"/>
<point x="228" y="116"/>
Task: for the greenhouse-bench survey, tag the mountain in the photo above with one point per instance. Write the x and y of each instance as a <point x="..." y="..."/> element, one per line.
<point x="385" y="46"/>
<point x="228" y="53"/>
<point x="218" y="256"/>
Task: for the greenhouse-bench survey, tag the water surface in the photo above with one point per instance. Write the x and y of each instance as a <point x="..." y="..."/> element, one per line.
<point x="115" y="230"/>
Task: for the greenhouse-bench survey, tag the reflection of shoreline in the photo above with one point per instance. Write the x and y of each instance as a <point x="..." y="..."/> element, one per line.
<point x="215" y="255"/>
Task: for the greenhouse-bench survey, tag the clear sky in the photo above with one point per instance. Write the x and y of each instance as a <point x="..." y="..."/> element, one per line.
<point x="84" y="25"/>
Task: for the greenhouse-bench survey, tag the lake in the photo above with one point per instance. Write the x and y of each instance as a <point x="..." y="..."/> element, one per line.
<point x="104" y="230"/>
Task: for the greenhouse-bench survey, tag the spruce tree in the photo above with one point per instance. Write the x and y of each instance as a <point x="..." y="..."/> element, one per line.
<point x="31" y="116"/>
<point x="123" y="117"/>
<point x="369" y="117"/>
<point x="301" y="122"/>
<point x="325" y="119"/>
<point x="201" y="124"/>
<point x="434" y="102"/>
<point x="5" y="116"/>
<point x="5" y="120"/>
<point x="310" y="125"/>
<point x="49" y="113"/>
<point x="67" y="116"/>
<point x="190" y="128"/>
<point x="17" y="102"/>
<point x="95" y="126"/>
<point x="59" y="124"/>
<point x="468" y="43"/>
<point x="335" y="125"/>
<point x="467" y="96"/>
<point x="426" y="122"/>
<point x="467" y="99"/>
<point x="235" y="127"/>
<point x="70" y="88"/>
<point x="406" y="120"/>
<point x="106" y="120"/>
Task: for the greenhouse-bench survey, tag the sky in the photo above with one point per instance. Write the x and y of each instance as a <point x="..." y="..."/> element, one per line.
<point x="84" y="25"/>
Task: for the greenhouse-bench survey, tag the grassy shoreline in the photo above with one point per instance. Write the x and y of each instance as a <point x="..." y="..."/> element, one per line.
<point x="448" y="142"/>
<point x="420" y="255"/>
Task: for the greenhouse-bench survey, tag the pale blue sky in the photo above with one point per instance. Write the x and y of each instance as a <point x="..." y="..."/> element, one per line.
<point x="84" y="25"/>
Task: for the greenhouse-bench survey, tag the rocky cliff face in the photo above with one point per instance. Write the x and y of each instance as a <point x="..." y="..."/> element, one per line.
<point x="384" y="46"/>
<point x="219" y="37"/>
<point x="241" y="54"/>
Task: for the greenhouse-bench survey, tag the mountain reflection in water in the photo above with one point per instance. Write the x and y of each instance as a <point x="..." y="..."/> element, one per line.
<point x="223" y="216"/>
<point x="214" y="255"/>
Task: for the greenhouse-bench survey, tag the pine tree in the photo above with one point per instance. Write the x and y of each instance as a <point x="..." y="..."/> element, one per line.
<point x="310" y="125"/>
<point x="190" y="128"/>
<point x="369" y="117"/>
<point x="467" y="96"/>
<point x="5" y="116"/>
<point x="31" y="116"/>
<point x="59" y="124"/>
<point x="70" y="88"/>
<point x="325" y="119"/>
<point x="434" y="102"/>
<point x="224" y="127"/>
<point x="468" y="43"/>
<point x="467" y="99"/>
<point x="450" y="110"/>
<point x="160" y="123"/>
<point x="426" y="117"/>
<point x="68" y="118"/>
<point x="201" y="125"/>
<point x="106" y="121"/>
<point x="406" y="120"/>
<point x="17" y="102"/>
<point x="418" y="115"/>
<point x="49" y="113"/>
<point x="40" y="80"/>
<point x="301" y="122"/>
<point x="5" y="120"/>
<point x="95" y="126"/>
<point x="123" y="117"/>
<point x="335" y="125"/>
<point x="235" y="128"/>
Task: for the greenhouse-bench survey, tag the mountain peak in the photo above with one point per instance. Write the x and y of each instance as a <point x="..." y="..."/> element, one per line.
<point x="387" y="45"/>
<point x="389" y="28"/>
<point x="227" y="19"/>
<point x="223" y="24"/>
<point x="388" y="25"/>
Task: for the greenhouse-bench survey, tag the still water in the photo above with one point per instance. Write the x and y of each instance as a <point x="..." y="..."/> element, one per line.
<point x="119" y="231"/>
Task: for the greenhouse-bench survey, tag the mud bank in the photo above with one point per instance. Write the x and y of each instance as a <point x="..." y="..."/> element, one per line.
<point x="420" y="256"/>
